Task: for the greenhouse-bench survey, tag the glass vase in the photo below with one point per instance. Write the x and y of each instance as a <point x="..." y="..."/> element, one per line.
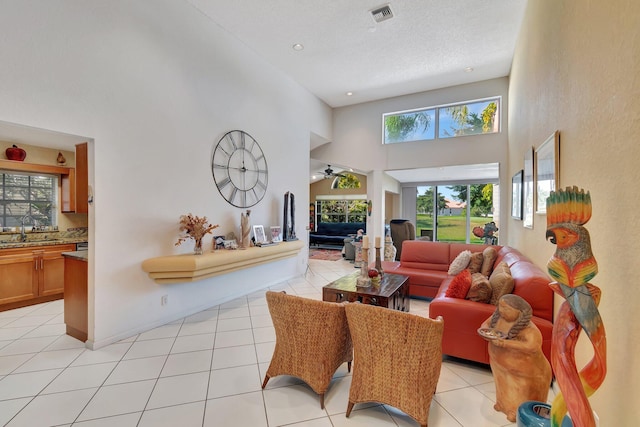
<point x="197" y="248"/>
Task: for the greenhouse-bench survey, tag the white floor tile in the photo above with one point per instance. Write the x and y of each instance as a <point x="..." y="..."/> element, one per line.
<point x="195" y="328"/>
<point x="231" y="313"/>
<point x="27" y="345"/>
<point x="471" y="408"/>
<point x="118" y="399"/>
<point x="449" y="380"/>
<point x="110" y="353"/>
<point x="31" y="321"/>
<point x="145" y="368"/>
<point x="318" y="422"/>
<point x="261" y="321"/>
<point x="64" y="342"/>
<point x="187" y="363"/>
<point x="127" y="420"/>
<point x="261" y="335"/>
<point x="239" y="410"/>
<point x="9" y="408"/>
<point x="234" y="356"/>
<point x="188" y="343"/>
<point x="265" y="351"/>
<point x="53" y="409"/>
<point x="149" y="348"/>
<point x="179" y="389"/>
<point x="236" y="324"/>
<point x="238" y="302"/>
<point x="234" y="338"/>
<point x="187" y="415"/>
<point x="373" y="416"/>
<point x="13" y="333"/>
<point x="50" y="360"/>
<point x="56" y="330"/>
<point x="8" y="364"/>
<point x="80" y="377"/>
<point x="165" y="331"/>
<point x="24" y="385"/>
<point x="230" y="381"/>
<point x="203" y="316"/>
<point x="287" y="405"/>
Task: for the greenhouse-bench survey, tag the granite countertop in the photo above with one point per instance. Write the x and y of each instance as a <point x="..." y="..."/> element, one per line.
<point x="80" y="255"/>
<point x="43" y="242"/>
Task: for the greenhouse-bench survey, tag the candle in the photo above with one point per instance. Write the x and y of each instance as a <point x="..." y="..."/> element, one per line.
<point x="377" y="241"/>
<point x="365" y="241"/>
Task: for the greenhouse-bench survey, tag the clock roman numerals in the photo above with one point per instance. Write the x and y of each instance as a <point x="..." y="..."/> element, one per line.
<point x="239" y="169"/>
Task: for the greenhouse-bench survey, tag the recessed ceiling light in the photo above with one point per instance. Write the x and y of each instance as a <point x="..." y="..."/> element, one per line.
<point x="468" y="69"/>
<point x="349" y="93"/>
<point x="298" y="46"/>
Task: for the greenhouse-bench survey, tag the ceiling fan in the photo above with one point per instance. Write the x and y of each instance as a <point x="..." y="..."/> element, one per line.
<point x="329" y="173"/>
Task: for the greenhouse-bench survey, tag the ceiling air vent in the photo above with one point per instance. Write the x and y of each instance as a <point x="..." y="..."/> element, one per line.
<point x="382" y="13"/>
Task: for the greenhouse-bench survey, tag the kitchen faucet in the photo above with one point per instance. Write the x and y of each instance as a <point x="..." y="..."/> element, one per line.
<point x="23" y="235"/>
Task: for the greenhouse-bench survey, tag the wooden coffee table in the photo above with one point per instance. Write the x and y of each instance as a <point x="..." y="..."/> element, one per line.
<point x="393" y="291"/>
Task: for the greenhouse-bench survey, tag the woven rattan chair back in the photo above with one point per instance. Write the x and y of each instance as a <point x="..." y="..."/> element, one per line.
<point x="312" y="340"/>
<point x="397" y="359"/>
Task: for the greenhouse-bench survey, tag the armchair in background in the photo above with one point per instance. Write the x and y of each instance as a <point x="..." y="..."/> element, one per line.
<point x="401" y="230"/>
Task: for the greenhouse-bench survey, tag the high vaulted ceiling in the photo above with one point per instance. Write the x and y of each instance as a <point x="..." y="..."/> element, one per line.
<point x="427" y="44"/>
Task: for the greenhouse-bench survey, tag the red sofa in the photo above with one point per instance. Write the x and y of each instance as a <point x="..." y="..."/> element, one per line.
<point x="426" y="264"/>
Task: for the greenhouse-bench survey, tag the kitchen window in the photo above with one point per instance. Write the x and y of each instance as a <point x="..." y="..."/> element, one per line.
<point x="23" y="194"/>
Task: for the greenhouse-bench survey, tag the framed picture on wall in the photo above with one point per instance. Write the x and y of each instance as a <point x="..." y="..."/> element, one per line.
<point x="528" y="189"/>
<point x="516" y="195"/>
<point x="547" y="171"/>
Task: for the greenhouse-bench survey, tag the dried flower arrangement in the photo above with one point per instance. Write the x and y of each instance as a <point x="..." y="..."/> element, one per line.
<point x="195" y="228"/>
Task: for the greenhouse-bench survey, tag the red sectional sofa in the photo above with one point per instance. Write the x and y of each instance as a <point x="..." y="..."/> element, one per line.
<point x="427" y="263"/>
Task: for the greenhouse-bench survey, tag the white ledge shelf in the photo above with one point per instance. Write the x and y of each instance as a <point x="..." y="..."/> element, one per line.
<point x="190" y="268"/>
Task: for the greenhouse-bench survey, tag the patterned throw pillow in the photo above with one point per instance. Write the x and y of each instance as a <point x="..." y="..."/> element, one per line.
<point x="480" y="290"/>
<point x="459" y="285"/>
<point x="501" y="282"/>
<point x="460" y="263"/>
<point x="476" y="262"/>
<point x="489" y="256"/>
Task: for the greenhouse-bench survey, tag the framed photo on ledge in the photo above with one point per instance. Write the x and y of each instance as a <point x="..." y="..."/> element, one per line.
<point x="276" y="235"/>
<point x="547" y="171"/>
<point x="517" y="195"/>
<point x="258" y="234"/>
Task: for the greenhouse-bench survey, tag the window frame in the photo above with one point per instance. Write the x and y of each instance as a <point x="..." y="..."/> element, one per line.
<point x="436" y="119"/>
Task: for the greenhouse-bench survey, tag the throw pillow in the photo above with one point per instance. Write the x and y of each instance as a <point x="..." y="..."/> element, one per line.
<point x="480" y="290"/>
<point x="489" y="256"/>
<point x="460" y="263"/>
<point x="501" y="282"/>
<point x="459" y="285"/>
<point x="476" y="262"/>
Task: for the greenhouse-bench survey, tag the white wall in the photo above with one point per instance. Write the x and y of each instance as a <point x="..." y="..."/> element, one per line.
<point x="576" y="70"/>
<point x="357" y="139"/>
<point x="155" y="83"/>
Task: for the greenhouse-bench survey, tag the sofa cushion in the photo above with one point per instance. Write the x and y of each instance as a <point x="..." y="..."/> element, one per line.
<point x="475" y="264"/>
<point x="459" y="286"/>
<point x="501" y="282"/>
<point x="489" y="256"/>
<point x="480" y="290"/>
<point x="428" y="253"/>
<point x="460" y="263"/>
<point x="532" y="284"/>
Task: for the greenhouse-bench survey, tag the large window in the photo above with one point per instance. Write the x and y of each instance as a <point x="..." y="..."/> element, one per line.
<point x="25" y="194"/>
<point x="342" y="210"/>
<point x="444" y="121"/>
<point x="446" y="213"/>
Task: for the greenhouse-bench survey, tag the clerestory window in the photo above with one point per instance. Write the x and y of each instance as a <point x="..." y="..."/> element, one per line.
<point x="443" y="121"/>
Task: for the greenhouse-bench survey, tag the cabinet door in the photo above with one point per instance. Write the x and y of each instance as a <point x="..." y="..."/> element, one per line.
<point x="82" y="178"/>
<point x="51" y="268"/>
<point x="18" y="278"/>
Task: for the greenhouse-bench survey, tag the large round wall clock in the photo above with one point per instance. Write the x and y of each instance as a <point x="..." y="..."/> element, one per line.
<point x="240" y="169"/>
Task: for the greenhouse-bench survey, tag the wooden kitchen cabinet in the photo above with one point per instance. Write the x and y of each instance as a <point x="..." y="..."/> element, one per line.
<point x="31" y="276"/>
<point x="76" y="297"/>
<point x="75" y="184"/>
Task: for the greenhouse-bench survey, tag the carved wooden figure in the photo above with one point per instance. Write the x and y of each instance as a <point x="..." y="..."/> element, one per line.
<point x="573" y="266"/>
<point x="520" y="370"/>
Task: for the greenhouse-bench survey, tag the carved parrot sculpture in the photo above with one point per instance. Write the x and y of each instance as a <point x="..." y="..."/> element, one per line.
<point x="572" y="267"/>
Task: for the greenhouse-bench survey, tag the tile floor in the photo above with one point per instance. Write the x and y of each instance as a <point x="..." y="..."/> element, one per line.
<point x="203" y="370"/>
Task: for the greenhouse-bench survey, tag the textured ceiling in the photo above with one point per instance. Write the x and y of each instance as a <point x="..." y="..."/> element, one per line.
<point x="428" y="44"/>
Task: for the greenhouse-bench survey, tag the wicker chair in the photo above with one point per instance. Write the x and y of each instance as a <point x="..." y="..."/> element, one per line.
<point x="312" y="340"/>
<point x="397" y="359"/>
